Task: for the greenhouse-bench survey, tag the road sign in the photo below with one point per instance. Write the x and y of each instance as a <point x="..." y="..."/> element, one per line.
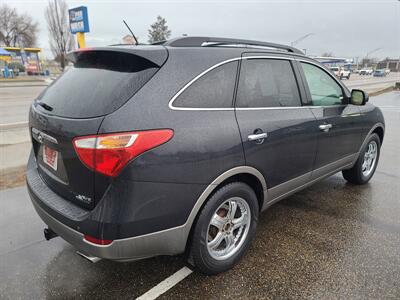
<point x="78" y="19"/>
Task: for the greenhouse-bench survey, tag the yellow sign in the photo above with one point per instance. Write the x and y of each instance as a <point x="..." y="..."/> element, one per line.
<point x="6" y="58"/>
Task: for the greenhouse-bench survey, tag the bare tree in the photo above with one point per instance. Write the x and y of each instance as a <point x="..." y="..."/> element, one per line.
<point x="61" y="39"/>
<point x="159" y="30"/>
<point x="17" y="30"/>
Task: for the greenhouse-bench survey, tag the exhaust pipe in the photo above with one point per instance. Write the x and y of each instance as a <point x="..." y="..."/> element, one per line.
<point x="92" y="259"/>
<point x="49" y="234"/>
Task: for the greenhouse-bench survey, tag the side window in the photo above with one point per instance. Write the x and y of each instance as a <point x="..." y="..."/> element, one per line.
<point x="267" y="83"/>
<point x="213" y="90"/>
<point x="323" y="88"/>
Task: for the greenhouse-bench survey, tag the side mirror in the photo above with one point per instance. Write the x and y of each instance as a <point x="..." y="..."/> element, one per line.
<point x="359" y="97"/>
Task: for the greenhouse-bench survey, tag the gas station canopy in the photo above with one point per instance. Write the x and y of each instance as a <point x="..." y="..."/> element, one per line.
<point x="5" y="55"/>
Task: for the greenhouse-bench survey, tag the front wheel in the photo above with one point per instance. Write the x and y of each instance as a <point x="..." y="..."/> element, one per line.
<point x="366" y="164"/>
<point x="224" y="228"/>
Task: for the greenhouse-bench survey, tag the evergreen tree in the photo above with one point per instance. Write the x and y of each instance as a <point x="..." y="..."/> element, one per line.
<point x="159" y="31"/>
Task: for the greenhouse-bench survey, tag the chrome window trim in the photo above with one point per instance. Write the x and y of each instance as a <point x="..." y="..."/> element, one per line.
<point x="171" y="106"/>
<point x="271" y="108"/>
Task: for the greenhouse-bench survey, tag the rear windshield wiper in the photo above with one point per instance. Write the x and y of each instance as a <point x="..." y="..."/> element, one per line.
<point x="44" y="105"/>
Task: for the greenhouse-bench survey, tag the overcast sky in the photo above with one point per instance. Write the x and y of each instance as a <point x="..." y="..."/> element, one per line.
<point x="349" y="28"/>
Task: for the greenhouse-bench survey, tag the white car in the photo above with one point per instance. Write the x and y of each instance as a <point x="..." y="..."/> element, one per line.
<point x="340" y="72"/>
<point x="366" y="71"/>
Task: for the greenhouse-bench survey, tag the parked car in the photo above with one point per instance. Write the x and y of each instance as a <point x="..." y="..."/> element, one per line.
<point x="178" y="147"/>
<point x="366" y="71"/>
<point x="340" y="72"/>
<point x="380" y="73"/>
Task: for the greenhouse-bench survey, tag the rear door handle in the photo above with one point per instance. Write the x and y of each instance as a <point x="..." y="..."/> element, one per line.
<point x="257" y="137"/>
<point x="325" y="127"/>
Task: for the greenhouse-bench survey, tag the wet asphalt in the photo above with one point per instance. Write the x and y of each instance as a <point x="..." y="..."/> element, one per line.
<point x="333" y="240"/>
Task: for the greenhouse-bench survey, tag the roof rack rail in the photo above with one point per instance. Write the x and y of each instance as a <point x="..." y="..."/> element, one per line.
<point x="200" y="41"/>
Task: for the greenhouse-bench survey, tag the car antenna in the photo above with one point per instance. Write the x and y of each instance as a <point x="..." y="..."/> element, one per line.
<point x="137" y="43"/>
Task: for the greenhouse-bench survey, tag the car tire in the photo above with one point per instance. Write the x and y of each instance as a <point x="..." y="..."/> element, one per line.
<point x="348" y="77"/>
<point x="210" y="252"/>
<point x="364" y="168"/>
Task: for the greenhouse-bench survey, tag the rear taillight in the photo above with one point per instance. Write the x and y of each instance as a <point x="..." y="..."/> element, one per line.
<point x="109" y="153"/>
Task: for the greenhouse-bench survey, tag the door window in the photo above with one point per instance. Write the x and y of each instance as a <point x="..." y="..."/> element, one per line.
<point x="267" y="83"/>
<point x="212" y="90"/>
<point x="324" y="90"/>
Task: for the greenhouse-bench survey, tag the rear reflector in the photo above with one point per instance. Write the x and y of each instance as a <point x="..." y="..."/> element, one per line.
<point x="109" y="153"/>
<point x="97" y="241"/>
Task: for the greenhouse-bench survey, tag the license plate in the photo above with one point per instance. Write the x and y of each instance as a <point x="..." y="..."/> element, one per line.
<point x="50" y="157"/>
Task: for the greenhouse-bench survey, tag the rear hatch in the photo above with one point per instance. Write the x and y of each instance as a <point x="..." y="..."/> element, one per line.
<point x="100" y="81"/>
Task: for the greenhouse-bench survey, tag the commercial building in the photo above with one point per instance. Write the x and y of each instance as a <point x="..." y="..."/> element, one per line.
<point x="392" y="64"/>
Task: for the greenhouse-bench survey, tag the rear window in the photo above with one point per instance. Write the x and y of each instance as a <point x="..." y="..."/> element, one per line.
<point x="97" y="84"/>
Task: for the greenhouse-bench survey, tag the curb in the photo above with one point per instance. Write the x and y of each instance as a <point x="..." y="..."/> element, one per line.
<point x="16" y="125"/>
<point x="22" y="85"/>
<point x="385" y="90"/>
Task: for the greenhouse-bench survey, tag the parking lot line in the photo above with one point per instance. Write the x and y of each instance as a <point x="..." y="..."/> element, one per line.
<point x="166" y="284"/>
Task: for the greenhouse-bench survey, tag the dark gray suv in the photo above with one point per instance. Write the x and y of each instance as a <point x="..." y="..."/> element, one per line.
<point x="177" y="147"/>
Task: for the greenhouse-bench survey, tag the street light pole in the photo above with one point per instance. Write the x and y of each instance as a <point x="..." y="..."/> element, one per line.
<point x="300" y="39"/>
<point x="372" y="51"/>
<point x="369" y="53"/>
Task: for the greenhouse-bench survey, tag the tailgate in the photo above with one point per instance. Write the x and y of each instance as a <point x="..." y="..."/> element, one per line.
<point x="56" y="159"/>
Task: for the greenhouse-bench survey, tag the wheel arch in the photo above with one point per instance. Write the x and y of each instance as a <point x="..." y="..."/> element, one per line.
<point x="379" y="129"/>
<point x="246" y="174"/>
<point x="380" y="132"/>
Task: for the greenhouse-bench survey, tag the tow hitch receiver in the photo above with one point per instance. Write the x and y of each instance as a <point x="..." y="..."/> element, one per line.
<point x="49" y="234"/>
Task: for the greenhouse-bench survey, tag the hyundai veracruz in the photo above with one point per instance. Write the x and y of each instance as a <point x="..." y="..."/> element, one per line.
<point x="177" y="147"/>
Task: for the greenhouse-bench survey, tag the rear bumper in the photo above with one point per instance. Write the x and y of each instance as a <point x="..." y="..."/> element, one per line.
<point x="167" y="242"/>
<point x="71" y="222"/>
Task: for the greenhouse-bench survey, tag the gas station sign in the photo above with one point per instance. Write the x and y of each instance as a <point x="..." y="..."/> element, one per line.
<point x="79" y="23"/>
<point x="78" y="19"/>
